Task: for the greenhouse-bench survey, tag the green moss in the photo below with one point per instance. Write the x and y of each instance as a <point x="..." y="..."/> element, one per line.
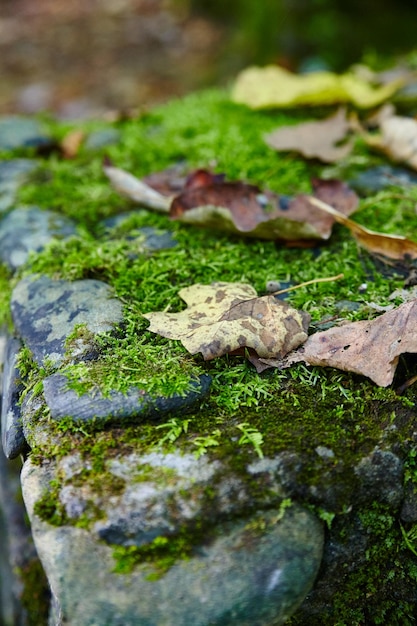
<point x="49" y="507"/>
<point x="160" y="554"/>
<point x="380" y="586"/>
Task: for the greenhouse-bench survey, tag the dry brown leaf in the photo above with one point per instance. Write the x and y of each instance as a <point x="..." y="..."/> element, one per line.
<point x="391" y="246"/>
<point x="131" y="187"/>
<point x="235" y="207"/>
<point x="371" y="348"/>
<point x="315" y="139"/>
<point x="222" y="318"/>
<point x="244" y="209"/>
<point x="71" y="143"/>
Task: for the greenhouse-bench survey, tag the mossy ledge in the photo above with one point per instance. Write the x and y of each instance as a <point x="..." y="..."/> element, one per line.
<point x="324" y="422"/>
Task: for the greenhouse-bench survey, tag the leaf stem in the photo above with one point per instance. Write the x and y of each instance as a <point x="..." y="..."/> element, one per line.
<point x="308" y="282"/>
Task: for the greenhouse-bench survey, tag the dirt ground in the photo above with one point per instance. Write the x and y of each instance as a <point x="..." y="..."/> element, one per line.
<point x="78" y="58"/>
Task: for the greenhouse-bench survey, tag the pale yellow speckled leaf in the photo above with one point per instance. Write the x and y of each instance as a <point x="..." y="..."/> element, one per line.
<point x="273" y="86"/>
<point x="223" y="317"/>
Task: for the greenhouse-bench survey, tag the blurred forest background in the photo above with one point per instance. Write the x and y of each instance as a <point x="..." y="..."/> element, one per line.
<point x="79" y="58"/>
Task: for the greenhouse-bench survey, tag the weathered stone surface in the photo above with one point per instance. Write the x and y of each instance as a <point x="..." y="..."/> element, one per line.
<point x="45" y="312"/>
<point x="380" y="479"/>
<point x="253" y="572"/>
<point x="117" y="407"/>
<point x="21" y="132"/>
<point x="29" y="229"/>
<point x="408" y="511"/>
<point x="12" y="436"/>
<point x="153" y="238"/>
<point x="12" y="175"/>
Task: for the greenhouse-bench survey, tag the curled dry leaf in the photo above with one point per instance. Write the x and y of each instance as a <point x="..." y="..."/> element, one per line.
<point x="371" y="348"/>
<point x="224" y="317"/>
<point x="315" y="139"/>
<point x="209" y="201"/>
<point x="399" y="139"/>
<point x="131" y="187"/>
<point x="391" y="246"/>
<point x="273" y="86"/>
<point x="70" y="145"/>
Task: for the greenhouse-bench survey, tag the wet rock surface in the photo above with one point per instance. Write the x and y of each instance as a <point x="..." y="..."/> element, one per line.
<point x="13" y="439"/>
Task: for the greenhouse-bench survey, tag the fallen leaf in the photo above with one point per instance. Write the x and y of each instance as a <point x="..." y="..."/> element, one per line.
<point x="274" y="86"/>
<point x="131" y="187"/>
<point x="399" y="139"/>
<point x="236" y="207"/>
<point x="371" y="348"/>
<point x="239" y="208"/>
<point x="315" y="139"/>
<point x="71" y="143"/>
<point x="224" y="317"/>
<point x="391" y="246"/>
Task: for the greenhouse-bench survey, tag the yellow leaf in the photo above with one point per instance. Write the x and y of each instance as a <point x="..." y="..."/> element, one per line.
<point x="274" y="86"/>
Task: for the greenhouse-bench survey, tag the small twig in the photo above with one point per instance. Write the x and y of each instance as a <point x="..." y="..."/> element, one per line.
<point x="308" y="282"/>
<point x="406" y="385"/>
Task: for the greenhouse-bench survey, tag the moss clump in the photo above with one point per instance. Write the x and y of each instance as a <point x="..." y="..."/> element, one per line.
<point x="378" y="587"/>
<point x="161" y="554"/>
<point x="49" y="507"/>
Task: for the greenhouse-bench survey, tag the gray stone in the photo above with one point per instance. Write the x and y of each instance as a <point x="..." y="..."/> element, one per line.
<point x="380" y="479"/>
<point x="45" y="312"/>
<point x="378" y="178"/>
<point x="102" y="138"/>
<point x="12" y="175"/>
<point x="249" y="572"/>
<point x="21" y="132"/>
<point x="153" y="238"/>
<point x="116" y="408"/>
<point x="408" y="511"/>
<point x="347" y="305"/>
<point x="156" y="239"/>
<point x="29" y="229"/>
<point x="12" y="436"/>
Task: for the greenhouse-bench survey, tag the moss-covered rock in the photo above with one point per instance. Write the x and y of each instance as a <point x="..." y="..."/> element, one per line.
<point x="317" y="437"/>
